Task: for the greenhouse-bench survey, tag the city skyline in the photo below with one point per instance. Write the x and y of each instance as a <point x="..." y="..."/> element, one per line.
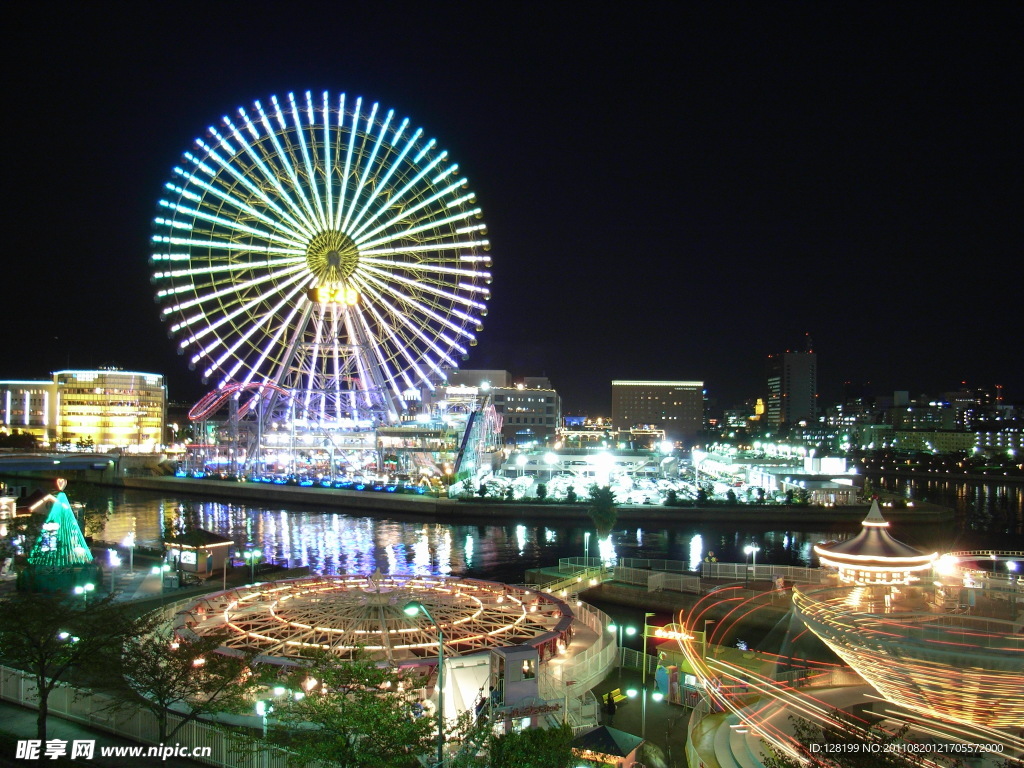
<point x="675" y="193"/>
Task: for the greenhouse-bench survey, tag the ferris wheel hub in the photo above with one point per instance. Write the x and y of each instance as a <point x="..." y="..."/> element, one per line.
<point x="332" y="257"/>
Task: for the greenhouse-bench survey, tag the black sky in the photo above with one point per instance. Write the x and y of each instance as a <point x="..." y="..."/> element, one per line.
<point x="672" y="190"/>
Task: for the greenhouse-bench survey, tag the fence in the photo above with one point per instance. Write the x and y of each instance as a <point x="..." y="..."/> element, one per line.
<point x="135" y="723"/>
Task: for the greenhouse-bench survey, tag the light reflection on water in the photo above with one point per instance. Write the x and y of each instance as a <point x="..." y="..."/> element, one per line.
<point x="332" y="542"/>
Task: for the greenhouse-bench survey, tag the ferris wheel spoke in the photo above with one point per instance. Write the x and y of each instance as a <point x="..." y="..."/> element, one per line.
<point x="378" y="352"/>
<point x="415" y="304"/>
<point x="225" y="197"/>
<point x="243" y="308"/>
<point x="420" y="286"/>
<point x="296" y="218"/>
<point x="237" y="177"/>
<point x="362" y="237"/>
<point x="427" y="223"/>
<point x="310" y="174"/>
<point x="282" y="157"/>
<point x="352" y="136"/>
<point x="230" y="224"/>
<point x="255" y="326"/>
<point x="369" y="165"/>
<point x="271" y="344"/>
<point x="232" y="288"/>
<point x="402" y="346"/>
<point x="328" y="209"/>
<point x="416" y="330"/>
<point x="393" y="166"/>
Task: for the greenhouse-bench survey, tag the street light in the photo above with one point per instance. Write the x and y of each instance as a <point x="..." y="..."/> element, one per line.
<point x="252" y="556"/>
<point x="750" y="549"/>
<point x="412" y="609"/>
<point x="643" y="685"/>
<point x="613" y="628"/>
<point x="586" y="549"/>
<point x="263" y="709"/>
<point x="129" y="541"/>
<point x="160" y="570"/>
<point x="84" y="591"/>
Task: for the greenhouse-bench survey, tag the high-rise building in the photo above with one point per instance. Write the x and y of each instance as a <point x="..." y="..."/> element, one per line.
<point x="677" y="407"/>
<point x="792" y="387"/>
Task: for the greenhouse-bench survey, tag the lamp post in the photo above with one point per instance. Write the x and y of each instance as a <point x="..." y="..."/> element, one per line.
<point x="129" y="541"/>
<point x="643" y="684"/>
<point x="613" y="628"/>
<point x="160" y="570"/>
<point x="84" y="590"/>
<point x="750" y="549"/>
<point x="412" y="609"/>
<point x="252" y="556"/>
<point x="263" y="709"/>
<point x="586" y="549"/>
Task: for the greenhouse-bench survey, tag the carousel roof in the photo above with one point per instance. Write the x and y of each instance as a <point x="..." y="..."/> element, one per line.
<point x="284" y="621"/>
<point x="873" y="543"/>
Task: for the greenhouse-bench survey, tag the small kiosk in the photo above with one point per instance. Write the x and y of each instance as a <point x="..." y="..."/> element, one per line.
<point x="200" y="551"/>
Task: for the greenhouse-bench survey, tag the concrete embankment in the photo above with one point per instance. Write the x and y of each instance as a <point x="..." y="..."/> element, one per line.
<point x="384" y="503"/>
<point x="389" y="503"/>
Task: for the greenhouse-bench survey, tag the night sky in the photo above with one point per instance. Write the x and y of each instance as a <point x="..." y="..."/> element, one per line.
<point x="672" y="191"/>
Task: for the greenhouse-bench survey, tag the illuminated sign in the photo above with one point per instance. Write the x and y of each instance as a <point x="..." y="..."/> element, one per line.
<point x="326" y="294"/>
<point x="188" y="557"/>
<point x="670" y="634"/>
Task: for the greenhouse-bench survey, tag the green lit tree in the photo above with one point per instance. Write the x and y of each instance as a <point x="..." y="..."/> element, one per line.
<point x="542" y="491"/>
<point x="56" y="636"/>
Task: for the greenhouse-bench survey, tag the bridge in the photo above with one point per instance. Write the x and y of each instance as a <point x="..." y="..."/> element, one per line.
<point x="38" y="462"/>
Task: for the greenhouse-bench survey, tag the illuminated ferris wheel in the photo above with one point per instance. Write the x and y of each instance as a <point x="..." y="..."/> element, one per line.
<point x="326" y="247"/>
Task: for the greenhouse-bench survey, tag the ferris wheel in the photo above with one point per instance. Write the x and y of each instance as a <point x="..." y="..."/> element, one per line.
<point x="327" y="247"/>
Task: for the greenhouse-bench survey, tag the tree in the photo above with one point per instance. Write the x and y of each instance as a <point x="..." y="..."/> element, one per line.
<point x="602" y="510"/>
<point x="730" y="496"/>
<point x="570" y="495"/>
<point x="542" y="491"/>
<point x="533" y="748"/>
<point x="702" y="497"/>
<point x="482" y="491"/>
<point x="56" y="635"/>
<point x="360" y="716"/>
<point x="163" y="674"/>
<point x="671" y="498"/>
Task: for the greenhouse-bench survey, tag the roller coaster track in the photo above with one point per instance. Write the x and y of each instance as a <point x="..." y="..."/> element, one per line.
<point x="214" y="400"/>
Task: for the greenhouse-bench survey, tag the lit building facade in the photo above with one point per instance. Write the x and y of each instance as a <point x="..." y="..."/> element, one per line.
<point x="677" y="407"/>
<point x="105" y="408"/>
<point x="792" y="387"/>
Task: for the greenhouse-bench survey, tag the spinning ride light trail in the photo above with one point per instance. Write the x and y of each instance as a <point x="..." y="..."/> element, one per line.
<point x="323" y="245"/>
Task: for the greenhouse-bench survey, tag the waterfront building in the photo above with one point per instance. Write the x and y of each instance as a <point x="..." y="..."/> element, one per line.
<point x="675" y="407"/>
<point x="100" y="409"/>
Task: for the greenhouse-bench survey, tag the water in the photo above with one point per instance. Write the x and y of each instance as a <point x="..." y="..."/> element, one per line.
<point x="988" y="515"/>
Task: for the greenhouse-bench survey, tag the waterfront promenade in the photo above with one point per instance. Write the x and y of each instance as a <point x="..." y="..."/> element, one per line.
<point x="477" y="509"/>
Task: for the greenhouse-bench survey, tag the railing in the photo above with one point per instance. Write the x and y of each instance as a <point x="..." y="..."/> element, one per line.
<point x="658" y="581"/>
<point x="136" y="723"/>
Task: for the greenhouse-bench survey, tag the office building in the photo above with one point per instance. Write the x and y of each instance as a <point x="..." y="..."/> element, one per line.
<point x="677" y="407"/>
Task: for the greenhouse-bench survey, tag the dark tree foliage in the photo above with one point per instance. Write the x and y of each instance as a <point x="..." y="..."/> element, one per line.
<point x="603" y="512"/>
<point x="533" y="748"/>
<point x="54" y="636"/>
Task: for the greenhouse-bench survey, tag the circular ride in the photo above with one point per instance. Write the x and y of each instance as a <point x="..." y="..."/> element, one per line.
<point x="286" y="622"/>
<point x="321" y="261"/>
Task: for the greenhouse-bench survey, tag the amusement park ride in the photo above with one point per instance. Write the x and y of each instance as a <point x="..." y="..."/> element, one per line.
<point x="324" y="264"/>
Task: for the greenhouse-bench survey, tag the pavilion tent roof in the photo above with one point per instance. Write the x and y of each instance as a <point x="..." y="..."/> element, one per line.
<point x="874" y="540"/>
<point x="607" y="741"/>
